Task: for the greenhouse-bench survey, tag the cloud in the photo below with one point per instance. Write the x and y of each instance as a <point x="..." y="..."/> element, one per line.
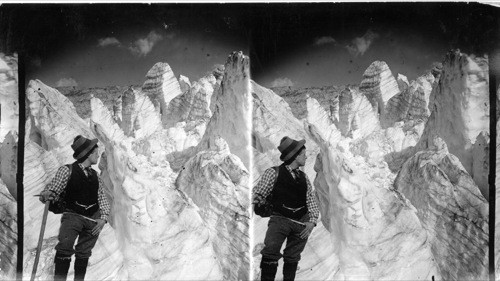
<point x="66" y="82"/>
<point x="324" y="40"/>
<point x="108" y="41"/>
<point x="143" y="46"/>
<point x="360" y="45"/>
<point x="281" y="82"/>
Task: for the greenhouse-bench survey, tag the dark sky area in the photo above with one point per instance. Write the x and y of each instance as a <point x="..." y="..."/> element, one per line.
<point x="307" y="44"/>
<point x="93" y="45"/>
<point x="324" y="44"/>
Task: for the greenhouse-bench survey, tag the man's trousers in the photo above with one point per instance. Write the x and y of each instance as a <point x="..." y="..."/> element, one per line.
<point x="73" y="226"/>
<point x="280" y="229"/>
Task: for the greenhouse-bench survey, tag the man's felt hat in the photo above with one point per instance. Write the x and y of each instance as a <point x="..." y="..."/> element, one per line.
<point x="82" y="145"/>
<point x="289" y="147"/>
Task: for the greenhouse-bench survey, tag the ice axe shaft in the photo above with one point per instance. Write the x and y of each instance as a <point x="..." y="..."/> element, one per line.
<point x="40" y="239"/>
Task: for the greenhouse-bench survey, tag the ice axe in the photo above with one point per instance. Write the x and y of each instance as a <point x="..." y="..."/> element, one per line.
<point x="40" y="239"/>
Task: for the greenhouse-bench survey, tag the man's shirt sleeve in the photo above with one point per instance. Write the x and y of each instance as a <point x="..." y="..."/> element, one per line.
<point x="103" y="201"/>
<point x="312" y="204"/>
<point x="59" y="182"/>
<point x="265" y="184"/>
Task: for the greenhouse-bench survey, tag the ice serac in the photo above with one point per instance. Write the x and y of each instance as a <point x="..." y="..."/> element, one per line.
<point x="379" y="86"/>
<point x="8" y="234"/>
<point x="9" y="122"/>
<point x="403" y="82"/>
<point x="110" y="96"/>
<point x="327" y="96"/>
<point x="55" y="123"/>
<point x="481" y="162"/>
<point x="161" y="87"/>
<point x="9" y="108"/>
<point x="117" y="109"/>
<point x="8" y="162"/>
<point x="184" y="83"/>
<point x="412" y="103"/>
<point x="375" y="232"/>
<point x="217" y="182"/>
<point x="272" y="120"/>
<point x="231" y="115"/>
<point x="152" y="219"/>
<point x="357" y="118"/>
<point x="437" y="69"/>
<point x="193" y="105"/>
<point x="459" y="107"/>
<point x="139" y="117"/>
<point x="452" y="210"/>
<point x="188" y="116"/>
<point x="51" y="125"/>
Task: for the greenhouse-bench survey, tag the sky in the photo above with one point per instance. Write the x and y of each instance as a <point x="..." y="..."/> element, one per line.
<point x="101" y="45"/>
<point x="298" y="45"/>
<point x="311" y="45"/>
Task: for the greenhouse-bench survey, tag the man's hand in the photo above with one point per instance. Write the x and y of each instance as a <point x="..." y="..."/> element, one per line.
<point x="257" y="199"/>
<point x="47" y="195"/>
<point x="305" y="233"/>
<point x="97" y="229"/>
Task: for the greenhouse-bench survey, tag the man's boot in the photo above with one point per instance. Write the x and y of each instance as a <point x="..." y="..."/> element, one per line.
<point x="61" y="264"/>
<point x="268" y="269"/>
<point x="81" y="268"/>
<point x="289" y="270"/>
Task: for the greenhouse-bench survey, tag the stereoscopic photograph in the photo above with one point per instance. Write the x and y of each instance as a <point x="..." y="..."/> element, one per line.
<point x="135" y="153"/>
<point x="371" y="140"/>
<point x="249" y="141"/>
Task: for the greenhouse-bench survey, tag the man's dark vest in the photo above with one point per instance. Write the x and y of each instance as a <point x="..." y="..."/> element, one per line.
<point x="82" y="192"/>
<point x="290" y="195"/>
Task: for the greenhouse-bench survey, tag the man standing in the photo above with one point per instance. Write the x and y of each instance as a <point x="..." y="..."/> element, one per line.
<point x="295" y="210"/>
<point x="86" y="210"/>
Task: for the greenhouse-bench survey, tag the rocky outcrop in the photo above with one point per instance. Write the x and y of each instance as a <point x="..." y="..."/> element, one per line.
<point x="139" y="117"/>
<point x="151" y="216"/>
<point x="452" y="210"/>
<point x="460" y="107"/>
<point x="161" y="87"/>
<point x="357" y="118"/>
<point x="231" y="115"/>
<point x="375" y="232"/>
<point x="379" y="86"/>
<point x="8" y="234"/>
<point x="9" y="108"/>
<point x="217" y="182"/>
